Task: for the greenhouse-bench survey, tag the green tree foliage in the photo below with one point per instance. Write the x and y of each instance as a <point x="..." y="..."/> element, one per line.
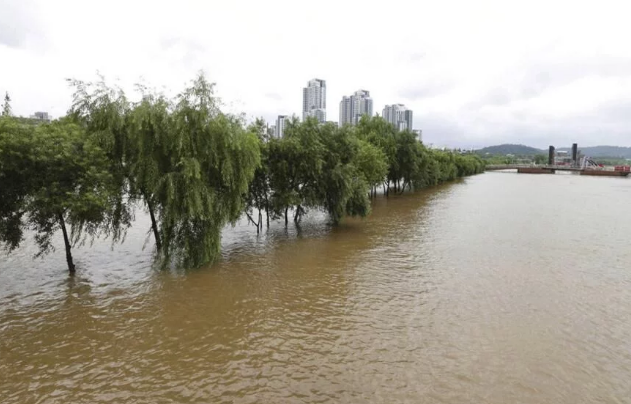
<point x="259" y="191"/>
<point x="540" y="159"/>
<point x="372" y="164"/>
<point x="149" y="127"/>
<point x="187" y="161"/>
<point x="323" y="167"/>
<point x="6" y="105"/>
<point x="212" y="161"/>
<point x="16" y="142"/>
<point x="56" y="177"/>
<point x="410" y="164"/>
<point x="318" y="167"/>
<point x="102" y="111"/>
<point x="195" y="169"/>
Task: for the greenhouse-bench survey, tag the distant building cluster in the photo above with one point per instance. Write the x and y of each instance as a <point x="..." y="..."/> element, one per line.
<point x="41" y="116"/>
<point x="398" y="115"/>
<point x="352" y="108"/>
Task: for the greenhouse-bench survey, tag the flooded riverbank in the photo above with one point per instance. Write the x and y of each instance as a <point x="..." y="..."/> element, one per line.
<point x="498" y="288"/>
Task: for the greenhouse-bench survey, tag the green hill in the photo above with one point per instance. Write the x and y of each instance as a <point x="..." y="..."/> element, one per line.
<point x="514" y="149"/>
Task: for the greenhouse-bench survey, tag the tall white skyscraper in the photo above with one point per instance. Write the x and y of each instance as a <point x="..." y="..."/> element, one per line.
<point x="314" y="100"/>
<point x="398" y="115"/>
<point x="281" y="125"/>
<point x="346" y="111"/>
<point x="354" y="107"/>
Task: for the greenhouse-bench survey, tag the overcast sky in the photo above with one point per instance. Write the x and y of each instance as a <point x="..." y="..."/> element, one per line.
<point x="475" y="73"/>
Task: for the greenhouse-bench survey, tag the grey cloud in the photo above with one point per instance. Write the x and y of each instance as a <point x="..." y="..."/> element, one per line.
<point x="193" y="49"/>
<point x="425" y="90"/>
<point x="618" y="111"/>
<point x="17" y="23"/>
<point x="607" y="124"/>
<point x="439" y="130"/>
<point x="497" y="96"/>
<point x="541" y="77"/>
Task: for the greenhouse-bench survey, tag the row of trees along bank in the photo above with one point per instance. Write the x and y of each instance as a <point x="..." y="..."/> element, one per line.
<point x="194" y="169"/>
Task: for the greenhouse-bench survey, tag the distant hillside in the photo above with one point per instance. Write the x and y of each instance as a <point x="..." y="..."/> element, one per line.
<point x="604" y="151"/>
<point x="515" y="149"/>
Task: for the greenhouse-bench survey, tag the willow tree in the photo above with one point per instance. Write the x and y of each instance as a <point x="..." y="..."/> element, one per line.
<point x="320" y="167"/>
<point x="259" y="191"/>
<point x="102" y="111"/>
<point x="372" y="164"/>
<point x="381" y="134"/>
<point x="6" y="105"/>
<point x="295" y="164"/>
<point x="342" y="189"/>
<point x="58" y="181"/>
<point x="212" y="160"/>
<point x="150" y="132"/>
<point x="16" y="142"/>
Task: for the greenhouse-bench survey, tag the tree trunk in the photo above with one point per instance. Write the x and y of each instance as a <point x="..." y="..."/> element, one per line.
<point x="253" y="222"/>
<point x="296" y="214"/>
<point x="267" y="215"/>
<point x="403" y="188"/>
<point x="71" y="266"/>
<point x="154" y="224"/>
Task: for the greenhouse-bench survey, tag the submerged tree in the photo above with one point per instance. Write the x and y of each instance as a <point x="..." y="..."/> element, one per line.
<point x="259" y="191"/>
<point x="150" y="129"/>
<point x="64" y="184"/>
<point x="16" y="142"/>
<point x="212" y="160"/>
<point x="372" y="164"/>
<point x="320" y="167"/>
<point x="102" y="112"/>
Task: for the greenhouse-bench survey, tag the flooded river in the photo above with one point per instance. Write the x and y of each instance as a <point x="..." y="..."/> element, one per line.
<point x="501" y="288"/>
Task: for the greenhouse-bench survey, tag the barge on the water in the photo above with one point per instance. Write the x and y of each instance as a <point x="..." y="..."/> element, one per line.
<point x="605" y="173"/>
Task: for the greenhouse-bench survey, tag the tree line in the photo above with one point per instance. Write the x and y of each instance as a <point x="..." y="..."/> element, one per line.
<point x="194" y="169"/>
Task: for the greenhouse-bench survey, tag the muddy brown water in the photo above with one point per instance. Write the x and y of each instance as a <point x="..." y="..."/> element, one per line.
<point x="501" y="288"/>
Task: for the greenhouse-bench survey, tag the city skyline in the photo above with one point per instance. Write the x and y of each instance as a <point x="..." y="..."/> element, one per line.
<point x="472" y="77"/>
<point x="351" y="109"/>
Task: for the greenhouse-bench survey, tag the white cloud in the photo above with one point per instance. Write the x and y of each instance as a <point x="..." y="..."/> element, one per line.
<point x="475" y="73"/>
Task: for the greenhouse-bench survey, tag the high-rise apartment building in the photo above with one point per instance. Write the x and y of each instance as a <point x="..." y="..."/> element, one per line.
<point x="281" y="125"/>
<point x="354" y="107"/>
<point x="346" y="111"/>
<point x="314" y="100"/>
<point x="398" y="115"/>
<point x="408" y="118"/>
